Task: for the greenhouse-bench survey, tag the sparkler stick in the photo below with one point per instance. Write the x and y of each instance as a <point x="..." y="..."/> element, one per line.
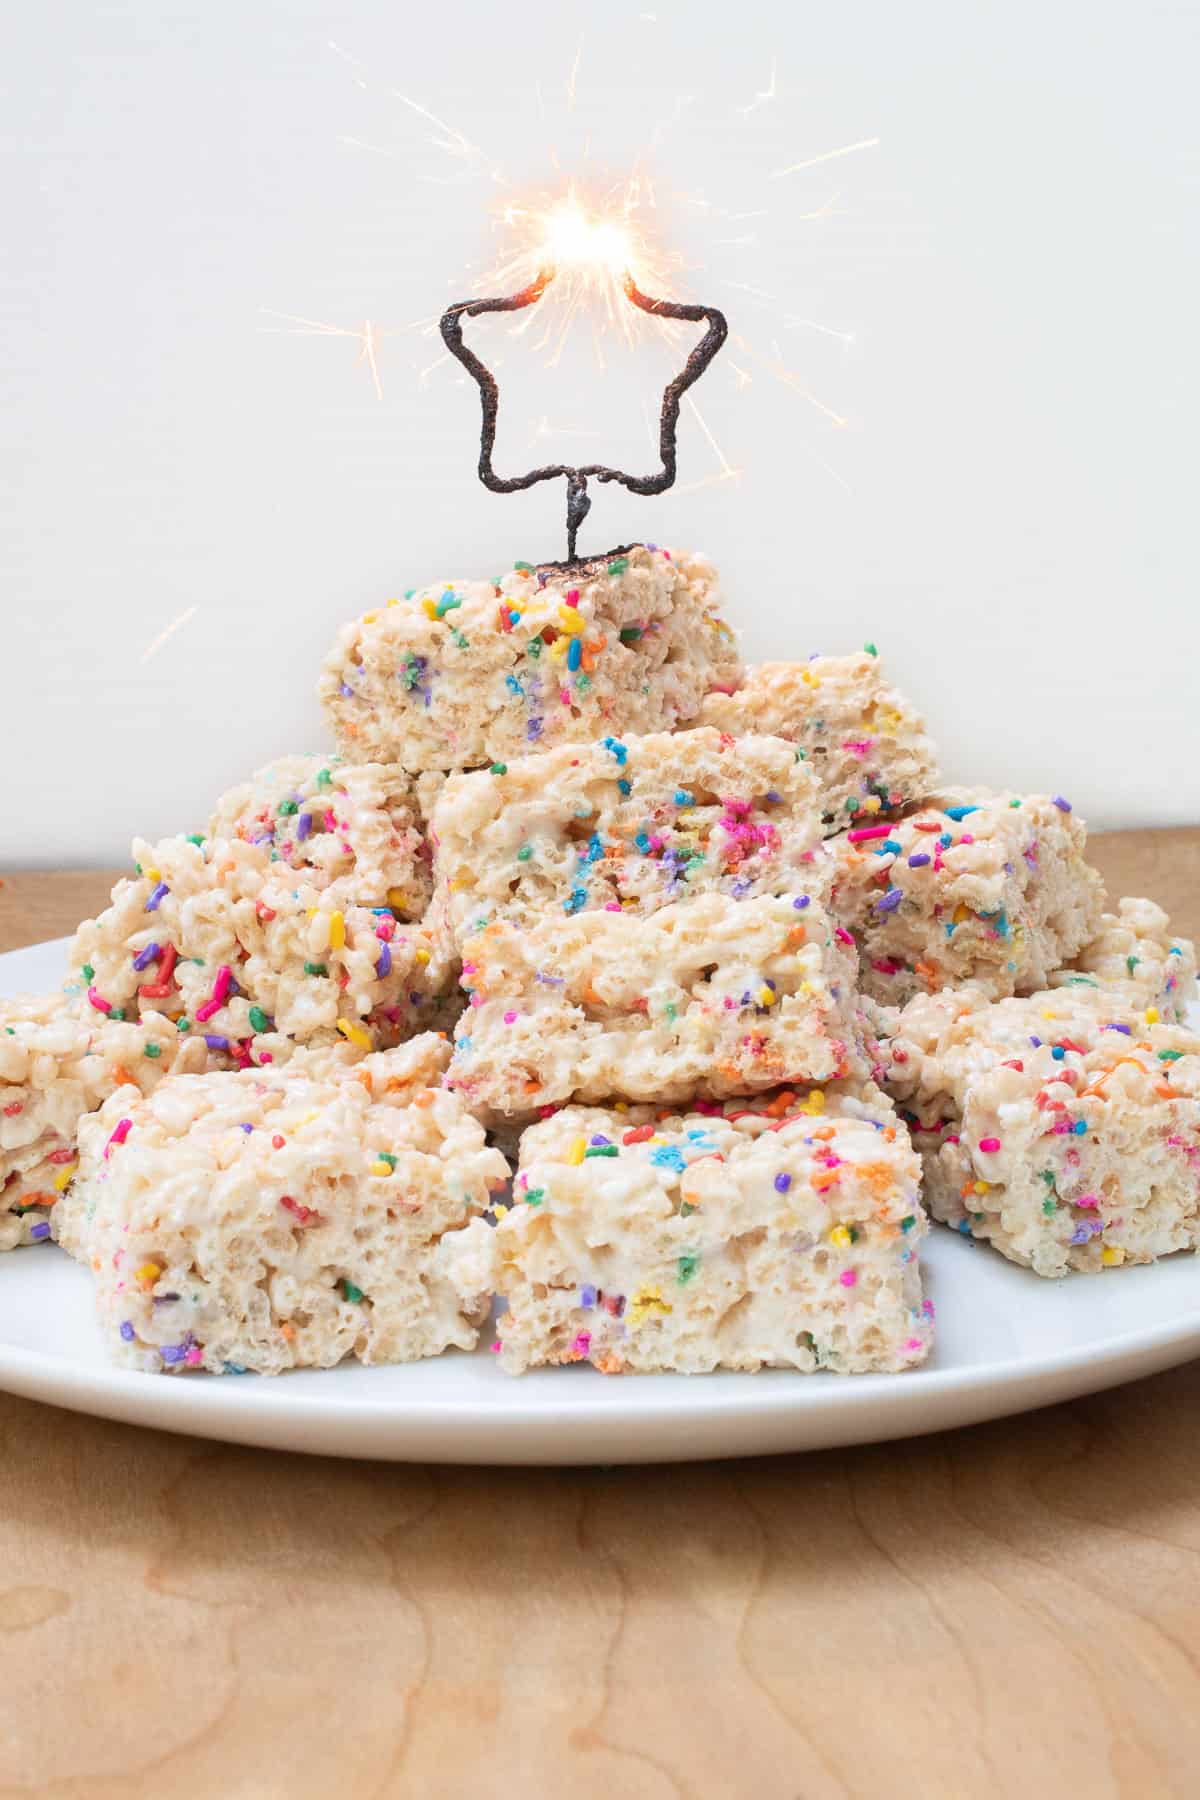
<point x="577" y="476"/>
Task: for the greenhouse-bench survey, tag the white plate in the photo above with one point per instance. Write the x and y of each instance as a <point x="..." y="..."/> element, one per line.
<point x="1006" y="1342"/>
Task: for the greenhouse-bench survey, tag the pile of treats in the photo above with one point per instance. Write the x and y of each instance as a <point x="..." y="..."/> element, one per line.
<point x="665" y="1001"/>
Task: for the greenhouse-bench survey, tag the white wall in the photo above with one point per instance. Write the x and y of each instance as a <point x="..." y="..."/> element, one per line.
<point x="1013" y="517"/>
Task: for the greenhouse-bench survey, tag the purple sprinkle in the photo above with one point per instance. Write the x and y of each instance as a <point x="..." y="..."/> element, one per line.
<point x="173" y="1353"/>
<point x="304" y="825"/>
<point x="601" y="1139"/>
<point x="157" y="897"/>
<point x="216" y="1043"/>
<point x="782" y="1183"/>
<point x="1062" y="805"/>
<point x="550" y="980"/>
<point x="1127" y="1029"/>
<point x="800" y="903"/>
<point x="246" y="1128"/>
<point x="347" y="692"/>
<point x="533" y="729"/>
<point x="38" y="1232"/>
<point x="918" y="859"/>
<point x="383" y="965"/>
<point x="587" y="1297"/>
<point x="890" y="901"/>
<point x="145" y="957"/>
<point x="1036" y="1042"/>
<point x="127" y="1331"/>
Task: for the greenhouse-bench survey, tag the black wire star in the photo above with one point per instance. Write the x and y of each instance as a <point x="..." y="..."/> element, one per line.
<point x="578" y="499"/>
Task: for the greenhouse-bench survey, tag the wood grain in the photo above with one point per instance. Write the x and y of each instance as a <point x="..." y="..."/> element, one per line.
<point x="1012" y="1609"/>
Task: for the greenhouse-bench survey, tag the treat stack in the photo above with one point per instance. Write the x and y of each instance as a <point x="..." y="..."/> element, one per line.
<point x="724" y="960"/>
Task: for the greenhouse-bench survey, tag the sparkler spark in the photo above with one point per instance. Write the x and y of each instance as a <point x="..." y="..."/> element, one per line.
<point x="810" y="162"/>
<point x="153" y="649"/>
<point x="769" y="93"/>
<point x="367" y="335"/>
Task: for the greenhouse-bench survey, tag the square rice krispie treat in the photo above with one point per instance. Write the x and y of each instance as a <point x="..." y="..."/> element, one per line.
<point x="767" y="1234"/>
<point x="709" y="996"/>
<point x="1134" y="955"/>
<point x="236" y="949"/>
<point x="865" y="743"/>
<point x="270" y="1219"/>
<point x="58" y="1062"/>
<point x="465" y="673"/>
<point x="971" y="886"/>
<point x="356" y="826"/>
<point x="628" y="824"/>
<point x="1065" y="1132"/>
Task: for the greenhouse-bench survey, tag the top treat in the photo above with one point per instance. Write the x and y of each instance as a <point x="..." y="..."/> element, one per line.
<point x="864" y="741"/>
<point x="1133" y="956"/>
<point x="627" y="825"/>
<point x="972" y="886"/>
<point x="354" y="825"/>
<point x="464" y="673"/>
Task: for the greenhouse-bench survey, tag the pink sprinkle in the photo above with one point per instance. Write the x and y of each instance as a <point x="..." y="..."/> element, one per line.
<point x="572" y="596"/>
<point x="496" y="1348"/>
<point x="989" y="1144"/>
<point x="99" y="1002"/>
<point x="952" y="1140"/>
<point x="1088" y="1200"/>
<point x="915" y="1344"/>
<point x="583" y="1343"/>
<point x="220" y="992"/>
<point x="865" y="832"/>
<point x="121" y="1131"/>
<point x="842" y="935"/>
<point x="385" y="929"/>
<point x="859" y="746"/>
<point x="476" y="1000"/>
<point x="722" y="687"/>
<point x="612" y="906"/>
<point x="848" y="1277"/>
<point x="886" y="966"/>
<point x="565" y="696"/>
<point x="966" y="838"/>
<point x="193" y="1356"/>
<point x="510" y="1018"/>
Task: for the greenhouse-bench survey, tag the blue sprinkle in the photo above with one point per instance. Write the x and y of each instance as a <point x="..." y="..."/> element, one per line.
<point x="1080" y="1127"/>
<point x="1058" y="1053"/>
<point x="625" y="787"/>
<point x="576" y="899"/>
<point x="945" y="840"/>
<point x="889" y="847"/>
<point x="574" y="654"/>
<point x="617" y="749"/>
<point x="960" y="812"/>
<point x="682" y="797"/>
<point x="513" y="685"/>
<point x="669" y="1156"/>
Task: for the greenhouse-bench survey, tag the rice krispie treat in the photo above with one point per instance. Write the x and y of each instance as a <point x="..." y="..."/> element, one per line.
<point x="1064" y="1131"/>
<point x="865" y="743"/>
<point x="971" y="886"/>
<point x="709" y="996"/>
<point x="629" y="824"/>
<point x="237" y="950"/>
<point x="765" y="1234"/>
<point x="283" y="1218"/>
<point x="357" y="826"/>
<point x="1134" y="955"/>
<point x="465" y="673"/>
<point x="59" y="1061"/>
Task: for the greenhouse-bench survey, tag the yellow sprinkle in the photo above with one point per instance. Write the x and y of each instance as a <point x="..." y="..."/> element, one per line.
<point x="393" y="603"/>
<point x="337" y="931"/>
<point x="891" y="721"/>
<point x="815" y="1102"/>
<point x="64" y="1175"/>
<point x="148" y="1274"/>
<point x="369" y="618"/>
<point x="570" y="621"/>
<point x="871" y="804"/>
<point x="396" y="897"/>
<point x="422" y="956"/>
<point x="558" y="648"/>
<point x="982" y="1187"/>
<point x="381" y="1167"/>
<point x="500" y="1209"/>
<point x="961" y="914"/>
<point x="767" y="996"/>
<point x="1047" y="1014"/>
<point x="429" y="608"/>
<point x="1152" y="1015"/>
<point x="841" y="1237"/>
<point x="647" y="1300"/>
<point x="355" y="1033"/>
<point x="152" y="874"/>
<point x="1112" y="1256"/>
<point x="577" y="1151"/>
<point x="807" y="676"/>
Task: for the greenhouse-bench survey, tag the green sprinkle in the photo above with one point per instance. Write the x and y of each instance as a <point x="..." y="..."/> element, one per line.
<point x="409" y="592"/>
<point x="802" y="756"/>
<point x="629" y="634"/>
<point x="524" y="853"/>
<point x="1131" y="963"/>
<point x="324" y="778"/>
<point x="137" y="868"/>
<point x="1014" y="803"/>
<point x="352" y="1293"/>
<point x="1170" y="1055"/>
<point x="1049" y="1206"/>
<point x="534" y="648"/>
<point x="462" y="642"/>
<point x="153" y="1051"/>
<point x="853" y="804"/>
<point x="183" y="1024"/>
<point x="499" y="769"/>
<point x="583" y="683"/>
<point x="118" y="1012"/>
<point x="907" y="1224"/>
<point x="195" y="837"/>
<point x="444" y="606"/>
<point x="315" y="969"/>
<point x="258" y="1019"/>
<point x="600" y="1150"/>
<point x="523" y="568"/>
<point x="619" y="566"/>
<point x="89" y="974"/>
<point x="671" y="1011"/>
<point x="286" y="808"/>
<point x="387" y="1157"/>
<point x="870" y="648"/>
<point x="686" y="1210"/>
<point x="534" y="1196"/>
<point x="688" y="1266"/>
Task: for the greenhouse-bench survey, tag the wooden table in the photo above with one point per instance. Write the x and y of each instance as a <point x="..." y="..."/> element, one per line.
<point x="1008" y="1610"/>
